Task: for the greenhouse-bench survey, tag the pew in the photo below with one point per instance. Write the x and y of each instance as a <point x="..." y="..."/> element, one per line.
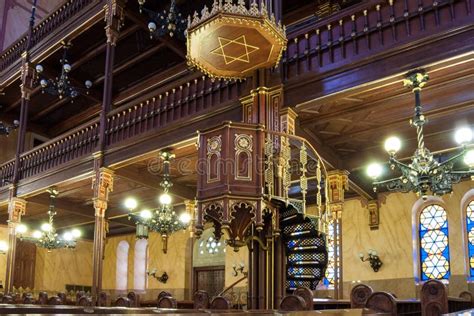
<point x="220" y="303"/>
<point x="167" y="302"/>
<point x="359" y="295"/>
<point x="123" y="302"/>
<point x="307" y="295"/>
<point x="435" y="300"/>
<point x="292" y="303"/>
<point x="201" y="300"/>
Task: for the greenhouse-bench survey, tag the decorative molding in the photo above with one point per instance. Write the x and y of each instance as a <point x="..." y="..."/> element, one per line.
<point x="102" y="185"/>
<point x="374" y="215"/>
<point x="214" y="148"/>
<point x="243" y="146"/>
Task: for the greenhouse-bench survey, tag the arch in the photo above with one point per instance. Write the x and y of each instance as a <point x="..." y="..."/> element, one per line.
<point x="467" y="209"/>
<point x="140" y="264"/>
<point x="207" y="251"/>
<point x="430" y="231"/>
<point x="121" y="274"/>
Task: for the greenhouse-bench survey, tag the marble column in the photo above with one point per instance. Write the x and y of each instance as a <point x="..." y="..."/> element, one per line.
<point x="338" y="183"/>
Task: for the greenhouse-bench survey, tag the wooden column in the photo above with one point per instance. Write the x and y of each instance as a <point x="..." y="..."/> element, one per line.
<point x="102" y="184"/>
<point x="338" y="183"/>
<point x="16" y="209"/>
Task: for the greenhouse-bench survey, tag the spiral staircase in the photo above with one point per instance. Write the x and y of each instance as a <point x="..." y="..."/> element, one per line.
<point x="306" y="251"/>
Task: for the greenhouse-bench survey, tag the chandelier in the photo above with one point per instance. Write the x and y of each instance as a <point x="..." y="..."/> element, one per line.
<point x="163" y="219"/>
<point x="232" y="40"/>
<point x="425" y="173"/>
<point x="61" y="86"/>
<point x="7" y="129"/>
<point x="169" y="22"/>
<point x="47" y="237"/>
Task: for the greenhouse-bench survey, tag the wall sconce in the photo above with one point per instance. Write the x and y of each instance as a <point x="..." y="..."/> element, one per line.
<point x="373" y="258"/>
<point x="163" y="278"/>
<point x="3" y="247"/>
<point x="239" y="270"/>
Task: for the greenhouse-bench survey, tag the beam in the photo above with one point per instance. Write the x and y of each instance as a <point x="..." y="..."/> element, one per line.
<point x="152" y="182"/>
<point x="70" y="208"/>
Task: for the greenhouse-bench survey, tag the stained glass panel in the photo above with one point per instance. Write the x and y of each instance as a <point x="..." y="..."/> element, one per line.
<point x="470" y="236"/>
<point x="331" y="269"/>
<point x="434" y="245"/>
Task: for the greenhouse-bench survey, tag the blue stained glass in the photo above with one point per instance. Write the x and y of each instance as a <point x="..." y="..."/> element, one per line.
<point x="470" y="237"/>
<point x="434" y="244"/>
<point x="331" y="268"/>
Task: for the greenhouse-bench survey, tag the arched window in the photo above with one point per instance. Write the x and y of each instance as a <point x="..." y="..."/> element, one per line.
<point x="139" y="264"/>
<point x="121" y="274"/>
<point x="433" y="243"/>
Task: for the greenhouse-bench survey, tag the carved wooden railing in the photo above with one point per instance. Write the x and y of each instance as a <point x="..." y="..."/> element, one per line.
<point x="52" y="22"/>
<point x="366" y="29"/>
<point x="77" y="143"/>
<point x="170" y="106"/>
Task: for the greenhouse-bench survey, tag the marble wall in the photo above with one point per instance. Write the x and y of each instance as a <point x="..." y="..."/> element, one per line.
<point x="3" y="258"/>
<point x="395" y="240"/>
<point x="59" y="267"/>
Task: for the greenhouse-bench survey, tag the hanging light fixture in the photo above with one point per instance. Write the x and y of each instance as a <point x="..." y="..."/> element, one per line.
<point x="425" y="173"/>
<point x="61" y="86"/>
<point x="163" y="219"/>
<point x="168" y="22"/>
<point x="7" y="129"/>
<point x="47" y="237"/>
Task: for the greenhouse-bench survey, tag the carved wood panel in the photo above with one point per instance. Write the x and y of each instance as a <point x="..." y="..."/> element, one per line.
<point x="209" y="279"/>
<point x="25" y="260"/>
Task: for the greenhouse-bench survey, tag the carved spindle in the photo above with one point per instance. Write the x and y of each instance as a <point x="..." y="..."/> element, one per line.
<point x="421" y="15"/>
<point x="307" y="49"/>
<point x="330" y="44"/>
<point x="354" y="34"/>
<point x="406" y="16"/>
<point x="303" y="178"/>
<point x="318" y="48"/>
<point x="342" y="38"/>
<point x="392" y="20"/>
<point x="366" y="28"/>
<point x="379" y="23"/>
<point x="296" y="55"/>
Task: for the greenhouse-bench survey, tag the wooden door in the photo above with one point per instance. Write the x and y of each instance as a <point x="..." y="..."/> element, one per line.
<point x="209" y="279"/>
<point x="25" y="260"/>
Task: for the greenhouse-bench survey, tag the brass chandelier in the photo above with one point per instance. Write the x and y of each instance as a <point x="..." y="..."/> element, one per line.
<point x="6" y="129"/>
<point x="426" y="173"/>
<point x="162" y="220"/>
<point x="61" y="86"/>
<point x="168" y="22"/>
<point x="47" y="237"/>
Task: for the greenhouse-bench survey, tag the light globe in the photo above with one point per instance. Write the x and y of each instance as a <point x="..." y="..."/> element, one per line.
<point x="393" y="145"/>
<point x="374" y="170"/>
<point x="469" y="158"/>
<point x="131" y="203"/>
<point x="37" y="234"/>
<point x="46" y="227"/>
<point x="463" y="135"/>
<point x="146" y="214"/>
<point x="67" y="236"/>
<point x="185" y="218"/>
<point x="165" y="199"/>
<point x="21" y="229"/>
<point x="76" y="233"/>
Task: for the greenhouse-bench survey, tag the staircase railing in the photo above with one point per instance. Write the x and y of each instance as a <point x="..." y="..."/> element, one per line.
<point x="289" y="160"/>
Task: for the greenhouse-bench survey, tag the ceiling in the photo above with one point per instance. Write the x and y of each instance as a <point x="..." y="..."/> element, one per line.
<point x="353" y="125"/>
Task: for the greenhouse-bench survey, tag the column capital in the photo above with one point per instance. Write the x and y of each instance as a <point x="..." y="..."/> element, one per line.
<point x="338" y="183"/>
<point x="27" y="79"/>
<point x="374" y="218"/>
<point x="16" y="209"/>
<point x="287" y="120"/>
<point x="102" y="185"/>
<point x="114" y="15"/>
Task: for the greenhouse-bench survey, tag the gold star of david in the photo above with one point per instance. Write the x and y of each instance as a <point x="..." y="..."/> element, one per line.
<point x="239" y="45"/>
